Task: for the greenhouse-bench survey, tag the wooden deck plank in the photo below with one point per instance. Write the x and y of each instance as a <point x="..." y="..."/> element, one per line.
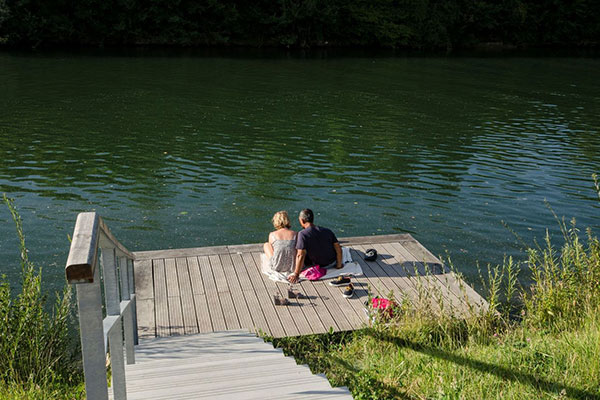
<point x="308" y="308"/>
<point x="163" y="328"/>
<point x="383" y="276"/>
<point x="361" y="295"/>
<point x="414" y="270"/>
<point x="265" y="299"/>
<point x="252" y="300"/>
<point x="292" y="316"/>
<point x="199" y="296"/>
<point x="354" y="319"/>
<point x="171" y="275"/>
<point x="331" y="302"/>
<point x="449" y="279"/>
<point x="239" y="302"/>
<point x="195" y="276"/>
<point x="283" y="312"/>
<point x="212" y="298"/>
<point x="426" y="286"/>
<point x="173" y="253"/>
<point x="144" y="284"/>
<point x="202" y="314"/>
<point x="405" y="274"/>
<point x="287" y="321"/>
<point x="253" y="247"/>
<point x="376" y="286"/>
<point x="440" y="298"/>
<point x="319" y="307"/>
<point x="145" y="317"/>
<point x="190" y="322"/>
<point x="392" y="267"/>
<point x="368" y="240"/>
<point x="419" y="252"/>
<point x="231" y="318"/>
<point x="174" y="298"/>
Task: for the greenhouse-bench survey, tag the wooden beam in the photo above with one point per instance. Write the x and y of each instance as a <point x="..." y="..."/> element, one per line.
<point x="83" y="254"/>
<point x="90" y="233"/>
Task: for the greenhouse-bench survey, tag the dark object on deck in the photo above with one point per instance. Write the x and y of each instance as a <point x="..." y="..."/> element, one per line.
<point x="280" y="301"/>
<point x="292" y="294"/>
<point x="370" y="255"/>
<point x="340" y="281"/>
<point x="349" y="291"/>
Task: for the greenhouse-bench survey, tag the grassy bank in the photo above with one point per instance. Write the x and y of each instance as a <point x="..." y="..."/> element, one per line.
<point x="39" y="358"/>
<point x="536" y="341"/>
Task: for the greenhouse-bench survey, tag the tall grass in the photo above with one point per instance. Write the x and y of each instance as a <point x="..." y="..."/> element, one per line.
<point x="37" y="349"/>
<point x="536" y="339"/>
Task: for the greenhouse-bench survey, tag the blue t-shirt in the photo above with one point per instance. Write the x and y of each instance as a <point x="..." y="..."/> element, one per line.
<point x="318" y="243"/>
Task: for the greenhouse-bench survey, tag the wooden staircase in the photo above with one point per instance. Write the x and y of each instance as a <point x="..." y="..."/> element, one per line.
<point x="221" y="365"/>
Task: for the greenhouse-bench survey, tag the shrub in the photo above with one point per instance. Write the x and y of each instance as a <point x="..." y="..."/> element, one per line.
<point x="36" y="346"/>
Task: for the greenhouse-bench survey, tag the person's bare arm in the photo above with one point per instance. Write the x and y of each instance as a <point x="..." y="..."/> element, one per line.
<point x="300" y="255"/>
<point x="338" y="255"/>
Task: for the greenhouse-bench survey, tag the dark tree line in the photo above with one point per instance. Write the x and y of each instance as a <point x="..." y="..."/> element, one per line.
<point x="415" y="24"/>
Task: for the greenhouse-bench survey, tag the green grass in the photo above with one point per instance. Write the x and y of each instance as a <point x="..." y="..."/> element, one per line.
<point x="39" y="356"/>
<point x="14" y="391"/>
<point x="536" y="341"/>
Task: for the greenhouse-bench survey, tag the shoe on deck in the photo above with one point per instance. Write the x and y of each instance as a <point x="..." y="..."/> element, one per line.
<point x="292" y="294"/>
<point x="348" y="292"/>
<point x="340" y="281"/>
<point x="280" y="301"/>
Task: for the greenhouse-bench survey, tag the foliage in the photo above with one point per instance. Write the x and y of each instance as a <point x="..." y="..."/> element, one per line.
<point x="36" y="348"/>
<point x="13" y="391"/>
<point x="540" y="340"/>
<point x="424" y="24"/>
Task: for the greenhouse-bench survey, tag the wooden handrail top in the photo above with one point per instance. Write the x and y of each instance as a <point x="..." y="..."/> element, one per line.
<point x="90" y="233"/>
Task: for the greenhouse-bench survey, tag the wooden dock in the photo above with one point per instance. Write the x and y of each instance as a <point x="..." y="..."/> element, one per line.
<point x="197" y="310"/>
<point x="213" y="289"/>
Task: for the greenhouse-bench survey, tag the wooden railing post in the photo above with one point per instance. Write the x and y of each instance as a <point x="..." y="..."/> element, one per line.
<point x="111" y="288"/>
<point x="131" y="282"/>
<point x="115" y="335"/>
<point x="100" y="335"/>
<point x="89" y="303"/>
<point x="128" y="320"/>
<point x="117" y="362"/>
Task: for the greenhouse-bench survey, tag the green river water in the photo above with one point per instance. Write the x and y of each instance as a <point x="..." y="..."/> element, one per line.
<point x="185" y="150"/>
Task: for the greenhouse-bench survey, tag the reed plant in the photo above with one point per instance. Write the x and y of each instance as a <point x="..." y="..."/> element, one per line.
<point x="38" y="355"/>
<point x="534" y="339"/>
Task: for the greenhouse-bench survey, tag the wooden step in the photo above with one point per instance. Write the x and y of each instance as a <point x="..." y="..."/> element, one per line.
<point x="221" y="365"/>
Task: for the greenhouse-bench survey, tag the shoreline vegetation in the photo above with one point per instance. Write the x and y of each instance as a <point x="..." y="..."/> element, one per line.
<point x="39" y="349"/>
<point x="536" y="341"/>
<point x="424" y="25"/>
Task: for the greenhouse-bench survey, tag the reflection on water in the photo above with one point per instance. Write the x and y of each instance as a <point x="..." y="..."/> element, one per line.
<point x="194" y="151"/>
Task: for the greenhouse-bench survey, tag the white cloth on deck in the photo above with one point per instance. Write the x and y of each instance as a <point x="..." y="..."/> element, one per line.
<point x="265" y="268"/>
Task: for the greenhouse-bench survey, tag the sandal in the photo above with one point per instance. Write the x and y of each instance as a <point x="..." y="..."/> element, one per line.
<point x="295" y="295"/>
<point x="280" y="301"/>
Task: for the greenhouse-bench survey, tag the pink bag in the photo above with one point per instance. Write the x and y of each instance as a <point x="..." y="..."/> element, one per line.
<point x="314" y="273"/>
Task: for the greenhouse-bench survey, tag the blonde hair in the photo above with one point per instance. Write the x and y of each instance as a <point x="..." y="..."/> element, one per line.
<point x="281" y="220"/>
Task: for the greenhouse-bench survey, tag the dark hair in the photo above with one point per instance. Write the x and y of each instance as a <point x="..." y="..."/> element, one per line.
<point x="307" y="215"/>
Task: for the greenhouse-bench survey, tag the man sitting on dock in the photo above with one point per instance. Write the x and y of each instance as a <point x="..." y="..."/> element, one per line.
<point x="315" y="245"/>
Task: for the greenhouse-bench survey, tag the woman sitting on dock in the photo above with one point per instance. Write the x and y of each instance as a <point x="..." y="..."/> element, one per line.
<point x="281" y="247"/>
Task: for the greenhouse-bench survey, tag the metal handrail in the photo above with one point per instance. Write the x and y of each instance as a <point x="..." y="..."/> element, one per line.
<point x="92" y="240"/>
